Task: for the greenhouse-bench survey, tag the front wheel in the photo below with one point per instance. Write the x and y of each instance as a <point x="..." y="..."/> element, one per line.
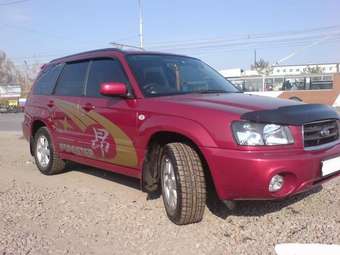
<point x="183" y="184"/>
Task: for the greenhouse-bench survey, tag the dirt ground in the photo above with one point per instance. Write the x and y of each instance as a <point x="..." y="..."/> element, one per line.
<point x="90" y="211"/>
<point x="11" y="121"/>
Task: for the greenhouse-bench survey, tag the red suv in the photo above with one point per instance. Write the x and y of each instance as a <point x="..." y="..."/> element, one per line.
<point x="177" y="125"/>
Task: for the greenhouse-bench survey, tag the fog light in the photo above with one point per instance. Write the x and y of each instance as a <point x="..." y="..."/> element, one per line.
<point x="276" y="183"/>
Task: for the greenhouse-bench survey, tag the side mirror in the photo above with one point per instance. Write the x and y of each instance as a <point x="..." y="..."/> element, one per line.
<point x="113" y="89"/>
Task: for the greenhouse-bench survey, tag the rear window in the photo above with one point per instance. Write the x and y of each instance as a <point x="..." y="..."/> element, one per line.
<point x="71" y="81"/>
<point x="47" y="79"/>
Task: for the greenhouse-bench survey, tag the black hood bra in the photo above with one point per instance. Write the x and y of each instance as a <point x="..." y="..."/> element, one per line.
<point x="292" y="115"/>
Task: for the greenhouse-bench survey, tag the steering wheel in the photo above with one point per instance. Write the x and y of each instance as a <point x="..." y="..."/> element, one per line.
<point x="151" y="88"/>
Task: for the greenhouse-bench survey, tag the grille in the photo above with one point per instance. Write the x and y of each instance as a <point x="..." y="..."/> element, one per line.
<point x="320" y="132"/>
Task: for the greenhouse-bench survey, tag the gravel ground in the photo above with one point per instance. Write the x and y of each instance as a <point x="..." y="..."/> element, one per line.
<point x="11" y="121"/>
<point x="90" y="211"/>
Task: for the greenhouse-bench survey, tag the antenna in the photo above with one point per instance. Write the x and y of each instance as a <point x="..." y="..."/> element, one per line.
<point x="141" y="36"/>
<point x="141" y="39"/>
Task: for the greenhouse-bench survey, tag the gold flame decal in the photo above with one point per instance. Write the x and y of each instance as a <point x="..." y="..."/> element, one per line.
<point x="125" y="151"/>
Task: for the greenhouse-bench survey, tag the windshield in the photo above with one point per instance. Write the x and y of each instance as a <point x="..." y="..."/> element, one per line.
<point x="160" y="75"/>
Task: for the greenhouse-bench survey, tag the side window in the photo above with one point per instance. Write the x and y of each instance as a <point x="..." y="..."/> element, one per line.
<point x="47" y="79"/>
<point x="104" y="70"/>
<point x="71" y="82"/>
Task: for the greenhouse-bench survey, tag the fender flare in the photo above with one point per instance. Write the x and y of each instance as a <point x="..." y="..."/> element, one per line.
<point x="185" y="127"/>
<point x="50" y="129"/>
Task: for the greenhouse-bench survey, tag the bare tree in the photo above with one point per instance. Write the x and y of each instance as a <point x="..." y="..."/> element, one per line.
<point x="313" y="70"/>
<point x="10" y="74"/>
<point x="262" y="67"/>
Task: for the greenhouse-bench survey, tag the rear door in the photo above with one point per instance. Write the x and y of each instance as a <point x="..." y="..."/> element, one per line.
<point x="65" y="102"/>
<point x="110" y="121"/>
<point x="38" y="105"/>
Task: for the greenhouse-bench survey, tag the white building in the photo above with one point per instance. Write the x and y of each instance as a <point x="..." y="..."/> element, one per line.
<point x="10" y="91"/>
<point x="328" y="68"/>
<point x="283" y="70"/>
<point x="296" y="77"/>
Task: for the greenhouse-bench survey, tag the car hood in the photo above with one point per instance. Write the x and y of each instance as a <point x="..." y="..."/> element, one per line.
<point x="238" y="103"/>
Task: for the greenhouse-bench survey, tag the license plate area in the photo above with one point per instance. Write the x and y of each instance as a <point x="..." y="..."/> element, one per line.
<point x="330" y="166"/>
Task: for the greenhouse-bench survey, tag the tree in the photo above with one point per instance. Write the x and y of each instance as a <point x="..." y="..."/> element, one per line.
<point x="10" y="74"/>
<point x="262" y="67"/>
<point x="312" y="70"/>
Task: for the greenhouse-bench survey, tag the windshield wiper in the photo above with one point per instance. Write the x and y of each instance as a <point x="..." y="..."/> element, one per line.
<point x="211" y="91"/>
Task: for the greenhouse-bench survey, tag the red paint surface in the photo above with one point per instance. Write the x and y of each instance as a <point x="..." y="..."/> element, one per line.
<point x="113" y="89"/>
<point x="238" y="172"/>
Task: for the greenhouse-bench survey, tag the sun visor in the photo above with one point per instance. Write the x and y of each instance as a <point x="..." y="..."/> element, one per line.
<point x="293" y="114"/>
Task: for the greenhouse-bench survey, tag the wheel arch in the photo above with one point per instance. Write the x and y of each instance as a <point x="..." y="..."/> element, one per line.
<point x="295" y="98"/>
<point x="36" y="125"/>
<point x="150" y="178"/>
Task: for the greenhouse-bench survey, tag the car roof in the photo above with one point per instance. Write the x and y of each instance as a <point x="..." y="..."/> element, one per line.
<point x="81" y="55"/>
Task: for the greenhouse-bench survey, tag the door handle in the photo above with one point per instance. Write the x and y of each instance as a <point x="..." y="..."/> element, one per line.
<point x="50" y="104"/>
<point x="88" y="107"/>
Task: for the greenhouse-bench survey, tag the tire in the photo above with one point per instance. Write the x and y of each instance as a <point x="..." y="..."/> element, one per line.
<point x="187" y="180"/>
<point x="52" y="163"/>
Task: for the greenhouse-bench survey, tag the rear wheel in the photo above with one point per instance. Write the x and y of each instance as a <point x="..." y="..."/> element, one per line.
<point x="183" y="184"/>
<point x="46" y="159"/>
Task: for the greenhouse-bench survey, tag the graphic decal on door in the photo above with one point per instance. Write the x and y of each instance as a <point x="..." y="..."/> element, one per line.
<point x="108" y="142"/>
<point x="100" y="141"/>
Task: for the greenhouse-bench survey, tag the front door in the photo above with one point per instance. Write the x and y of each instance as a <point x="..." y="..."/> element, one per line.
<point x="110" y="122"/>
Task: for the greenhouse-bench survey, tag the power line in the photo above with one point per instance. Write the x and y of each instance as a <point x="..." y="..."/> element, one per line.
<point x="277" y="46"/>
<point x="14" y="2"/>
<point x="245" y="36"/>
<point x="205" y="51"/>
<point x="242" y="38"/>
<point x="304" y="48"/>
<point x="245" y="42"/>
<point x="61" y="37"/>
<point x="227" y="47"/>
<point x="252" y="43"/>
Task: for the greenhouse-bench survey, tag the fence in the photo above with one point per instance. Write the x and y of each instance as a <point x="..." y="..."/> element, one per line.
<point x="283" y="83"/>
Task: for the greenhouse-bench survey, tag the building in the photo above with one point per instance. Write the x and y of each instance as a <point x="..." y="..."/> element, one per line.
<point x="10" y="91"/>
<point x="327" y="68"/>
<point x="295" y="82"/>
<point x="284" y="77"/>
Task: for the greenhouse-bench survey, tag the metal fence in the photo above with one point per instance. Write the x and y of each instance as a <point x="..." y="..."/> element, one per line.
<point x="283" y="83"/>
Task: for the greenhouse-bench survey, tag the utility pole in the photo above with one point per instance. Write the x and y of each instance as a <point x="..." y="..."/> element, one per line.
<point x="141" y="39"/>
<point x="255" y="57"/>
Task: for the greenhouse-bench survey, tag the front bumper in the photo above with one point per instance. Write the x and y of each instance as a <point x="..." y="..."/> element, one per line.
<point x="246" y="174"/>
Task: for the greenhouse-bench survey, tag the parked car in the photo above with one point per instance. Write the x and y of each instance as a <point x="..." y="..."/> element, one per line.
<point x="9" y="106"/>
<point x="177" y="125"/>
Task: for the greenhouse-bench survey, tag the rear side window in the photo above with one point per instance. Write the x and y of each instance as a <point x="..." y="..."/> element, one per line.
<point x="72" y="79"/>
<point x="104" y="70"/>
<point x="47" y="79"/>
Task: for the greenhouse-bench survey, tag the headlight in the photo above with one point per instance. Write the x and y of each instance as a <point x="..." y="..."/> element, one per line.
<point x="252" y="134"/>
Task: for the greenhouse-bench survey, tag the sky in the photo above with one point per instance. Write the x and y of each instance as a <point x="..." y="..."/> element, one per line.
<point x="223" y="33"/>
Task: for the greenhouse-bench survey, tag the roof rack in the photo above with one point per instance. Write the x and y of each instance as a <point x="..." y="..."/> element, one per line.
<point x="122" y="46"/>
<point x="87" y="52"/>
